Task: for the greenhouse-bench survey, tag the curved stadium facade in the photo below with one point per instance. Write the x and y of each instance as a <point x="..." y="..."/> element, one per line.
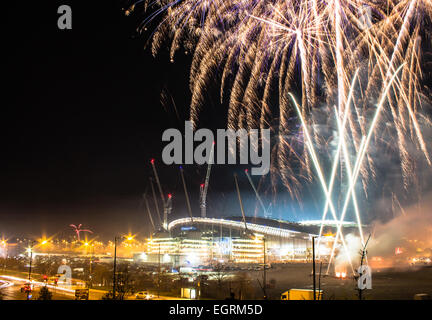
<point x="200" y="240"/>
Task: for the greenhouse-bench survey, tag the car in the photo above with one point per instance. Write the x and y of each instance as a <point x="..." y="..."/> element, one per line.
<point x="27" y="287"/>
<point x="421" y="261"/>
<point x="143" y="295"/>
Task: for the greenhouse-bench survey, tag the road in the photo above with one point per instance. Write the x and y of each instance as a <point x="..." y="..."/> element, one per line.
<point x="155" y="297"/>
<point x="11" y="290"/>
<point x="387" y="284"/>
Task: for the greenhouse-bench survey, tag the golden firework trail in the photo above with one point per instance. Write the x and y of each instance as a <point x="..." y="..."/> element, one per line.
<point x="260" y="48"/>
<point x="358" y="163"/>
<point x="262" y="53"/>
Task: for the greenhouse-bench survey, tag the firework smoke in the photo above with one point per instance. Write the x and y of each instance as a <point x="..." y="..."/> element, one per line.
<point x="411" y="232"/>
<point x="260" y="51"/>
<point x="360" y="60"/>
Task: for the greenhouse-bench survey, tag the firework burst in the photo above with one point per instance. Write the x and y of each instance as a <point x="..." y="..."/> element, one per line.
<point x="261" y="51"/>
<point x="359" y="62"/>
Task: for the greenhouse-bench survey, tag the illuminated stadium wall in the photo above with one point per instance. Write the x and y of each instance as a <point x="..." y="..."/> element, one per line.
<point x="207" y="240"/>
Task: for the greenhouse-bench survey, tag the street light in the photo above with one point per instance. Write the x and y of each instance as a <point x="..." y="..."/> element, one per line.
<point x="115" y="265"/>
<point x="30" y="249"/>
<point x="5" y="248"/>
<point x="88" y="247"/>
<point x="43" y="242"/>
<point x="91" y="261"/>
<point x="159" y="269"/>
<point x="264" y="269"/>
<point x="313" y="267"/>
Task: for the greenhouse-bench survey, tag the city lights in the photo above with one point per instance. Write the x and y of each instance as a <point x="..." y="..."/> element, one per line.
<point x="216" y="150"/>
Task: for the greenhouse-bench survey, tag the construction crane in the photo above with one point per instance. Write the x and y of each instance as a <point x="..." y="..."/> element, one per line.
<point x="186" y="193"/>
<point x="155" y="202"/>
<point x="167" y="210"/>
<point x="267" y="214"/>
<point x="204" y="186"/>
<point x="240" y="201"/>
<point x="167" y="204"/>
<point x="148" y="211"/>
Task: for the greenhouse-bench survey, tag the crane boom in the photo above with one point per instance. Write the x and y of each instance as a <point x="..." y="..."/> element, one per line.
<point x="186" y="193"/>
<point x="266" y="213"/>
<point x="155" y="201"/>
<point x="167" y="211"/>
<point x="204" y="188"/>
<point x="148" y="210"/>
<point x="167" y="204"/>
<point x="240" y="200"/>
<point x="157" y="180"/>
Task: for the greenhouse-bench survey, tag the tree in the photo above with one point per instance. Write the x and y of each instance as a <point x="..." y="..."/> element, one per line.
<point x="219" y="274"/>
<point x="242" y="285"/>
<point x="166" y="282"/>
<point x="142" y="281"/>
<point x="124" y="284"/>
<point x="45" y="267"/>
<point x="107" y="296"/>
<point x="308" y="255"/>
<point x="363" y="253"/>
<point x="44" y="294"/>
<point x="101" y="274"/>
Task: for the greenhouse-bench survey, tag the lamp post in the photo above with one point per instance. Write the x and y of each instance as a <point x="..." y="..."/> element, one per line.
<point x="313" y="268"/>
<point x="159" y="270"/>
<point x="86" y="244"/>
<point x="264" y="269"/>
<point x="115" y="268"/>
<point x="30" y="269"/>
<point x="5" y="247"/>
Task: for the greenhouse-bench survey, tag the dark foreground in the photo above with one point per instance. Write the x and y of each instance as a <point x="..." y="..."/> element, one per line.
<point x="388" y="284"/>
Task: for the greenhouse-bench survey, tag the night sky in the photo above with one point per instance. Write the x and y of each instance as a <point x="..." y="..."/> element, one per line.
<point x="81" y="120"/>
<point x="82" y="117"/>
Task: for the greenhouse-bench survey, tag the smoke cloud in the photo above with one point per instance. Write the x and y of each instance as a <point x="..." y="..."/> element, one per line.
<point x="395" y="243"/>
<point x="407" y="236"/>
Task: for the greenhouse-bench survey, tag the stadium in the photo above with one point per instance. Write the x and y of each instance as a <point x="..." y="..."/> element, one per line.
<point x="201" y="241"/>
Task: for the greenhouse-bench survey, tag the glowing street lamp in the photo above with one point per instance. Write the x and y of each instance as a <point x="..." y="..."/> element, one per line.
<point x="30" y="251"/>
<point x="5" y="249"/>
<point x="129" y="237"/>
<point x="115" y="265"/>
<point x="89" y="246"/>
<point x="4" y="244"/>
<point x="43" y="242"/>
